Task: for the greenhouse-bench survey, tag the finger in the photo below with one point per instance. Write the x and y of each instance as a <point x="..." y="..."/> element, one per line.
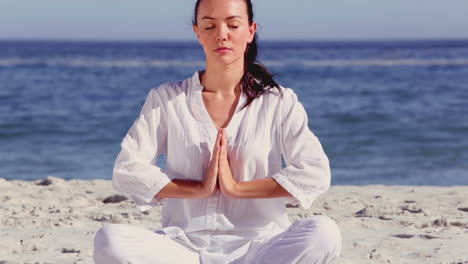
<point x="224" y="148"/>
<point x="220" y="134"/>
<point x="218" y="139"/>
<point x="216" y="147"/>
<point x="223" y="138"/>
<point x="220" y="143"/>
<point x="223" y="152"/>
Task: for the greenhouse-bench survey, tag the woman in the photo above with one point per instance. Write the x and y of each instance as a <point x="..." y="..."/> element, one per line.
<point x="223" y="132"/>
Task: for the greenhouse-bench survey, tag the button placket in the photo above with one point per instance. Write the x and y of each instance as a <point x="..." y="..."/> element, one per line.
<point x="209" y="132"/>
<point x="207" y="137"/>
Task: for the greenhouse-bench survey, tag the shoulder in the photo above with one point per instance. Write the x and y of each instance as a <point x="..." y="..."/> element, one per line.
<point x="284" y="98"/>
<point x="168" y="91"/>
<point x="288" y="107"/>
<point x="164" y="95"/>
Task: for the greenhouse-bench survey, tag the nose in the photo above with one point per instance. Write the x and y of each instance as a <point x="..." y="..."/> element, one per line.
<point x="222" y="33"/>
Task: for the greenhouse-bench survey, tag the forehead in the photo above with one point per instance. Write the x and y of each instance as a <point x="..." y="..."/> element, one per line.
<point x="222" y="9"/>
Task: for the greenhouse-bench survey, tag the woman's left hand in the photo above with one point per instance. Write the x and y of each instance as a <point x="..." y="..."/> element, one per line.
<point x="227" y="184"/>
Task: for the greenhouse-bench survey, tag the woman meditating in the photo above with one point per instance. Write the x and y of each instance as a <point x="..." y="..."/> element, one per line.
<point x="223" y="132"/>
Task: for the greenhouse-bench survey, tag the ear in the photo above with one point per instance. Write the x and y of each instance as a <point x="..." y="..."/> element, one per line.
<point x="195" y="29"/>
<point x="252" y="30"/>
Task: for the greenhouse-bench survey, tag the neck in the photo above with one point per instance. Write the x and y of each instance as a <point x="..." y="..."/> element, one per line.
<point x="223" y="80"/>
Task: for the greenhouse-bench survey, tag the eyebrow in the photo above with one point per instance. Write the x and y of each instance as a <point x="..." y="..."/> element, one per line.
<point x="212" y="18"/>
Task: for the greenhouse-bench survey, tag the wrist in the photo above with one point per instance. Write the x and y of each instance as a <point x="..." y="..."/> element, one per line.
<point x="207" y="189"/>
<point x="233" y="190"/>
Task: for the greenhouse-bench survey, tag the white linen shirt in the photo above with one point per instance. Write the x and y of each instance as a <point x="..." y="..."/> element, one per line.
<point x="174" y="122"/>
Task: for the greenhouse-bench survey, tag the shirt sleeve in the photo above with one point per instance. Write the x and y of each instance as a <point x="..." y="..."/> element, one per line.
<point x="135" y="174"/>
<point x="307" y="172"/>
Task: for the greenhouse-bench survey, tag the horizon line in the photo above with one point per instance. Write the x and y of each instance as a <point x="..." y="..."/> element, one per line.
<point x="260" y="40"/>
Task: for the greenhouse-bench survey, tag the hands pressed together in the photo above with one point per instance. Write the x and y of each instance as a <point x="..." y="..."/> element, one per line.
<point x="219" y="175"/>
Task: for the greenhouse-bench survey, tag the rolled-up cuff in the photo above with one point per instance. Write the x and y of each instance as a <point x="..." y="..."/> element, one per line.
<point x="149" y="200"/>
<point x="298" y="198"/>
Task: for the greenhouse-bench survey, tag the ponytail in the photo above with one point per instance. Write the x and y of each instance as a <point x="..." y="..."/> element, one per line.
<point x="256" y="79"/>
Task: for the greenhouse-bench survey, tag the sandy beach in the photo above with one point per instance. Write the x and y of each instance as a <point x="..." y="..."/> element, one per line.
<point x="54" y="221"/>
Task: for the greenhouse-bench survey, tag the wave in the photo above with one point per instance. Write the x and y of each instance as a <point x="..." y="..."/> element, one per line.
<point x="79" y="62"/>
<point x="84" y="62"/>
<point x="392" y="62"/>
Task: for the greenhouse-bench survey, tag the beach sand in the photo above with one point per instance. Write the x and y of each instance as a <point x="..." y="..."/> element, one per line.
<point x="54" y="221"/>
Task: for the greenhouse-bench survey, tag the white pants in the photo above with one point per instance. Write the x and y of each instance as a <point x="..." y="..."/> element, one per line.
<point x="313" y="240"/>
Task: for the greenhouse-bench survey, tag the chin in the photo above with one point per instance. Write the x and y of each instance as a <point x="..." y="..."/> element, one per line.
<point x="226" y="60"/>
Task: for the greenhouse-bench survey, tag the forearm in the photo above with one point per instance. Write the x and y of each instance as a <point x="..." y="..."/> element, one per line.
<point x="264" y="188"/>
<point x="185" y="189"/>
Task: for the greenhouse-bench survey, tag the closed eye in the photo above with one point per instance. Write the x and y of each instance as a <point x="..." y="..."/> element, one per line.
<point x="208" y="28"/>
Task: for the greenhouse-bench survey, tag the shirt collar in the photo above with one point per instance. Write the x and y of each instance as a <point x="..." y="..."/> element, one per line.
<point x="196" y="83"/>
<point x="198" y="86"/>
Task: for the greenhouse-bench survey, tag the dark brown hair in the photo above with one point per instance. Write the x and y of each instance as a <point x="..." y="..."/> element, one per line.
<point x="256" y="79"/>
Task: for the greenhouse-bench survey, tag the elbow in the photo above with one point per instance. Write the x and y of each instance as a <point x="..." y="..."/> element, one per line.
<point x="115" y="181"/>
<point x="326" y="186"/>
<point x="117" y="176"/>
<point x="122" y="164"/>
<point x="326" y="175"/>
<point x="324" y="178"/>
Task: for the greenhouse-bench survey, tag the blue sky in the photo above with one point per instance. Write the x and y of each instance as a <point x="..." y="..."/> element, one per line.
<point x="279" y="19"/>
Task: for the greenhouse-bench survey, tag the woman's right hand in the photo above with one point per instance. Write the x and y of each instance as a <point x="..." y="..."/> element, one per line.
<point x="210" y="182"/>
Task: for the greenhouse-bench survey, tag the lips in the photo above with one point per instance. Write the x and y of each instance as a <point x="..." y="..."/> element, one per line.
<point x="222" y="49"/>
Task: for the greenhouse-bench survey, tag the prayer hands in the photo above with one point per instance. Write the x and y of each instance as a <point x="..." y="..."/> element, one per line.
<point x="227" y="184"/>
<point x="218" y="175"/>
<point x="210" y="184"/>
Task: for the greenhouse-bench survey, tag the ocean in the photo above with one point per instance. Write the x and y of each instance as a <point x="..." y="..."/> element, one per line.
<point x="386" y="112"/>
